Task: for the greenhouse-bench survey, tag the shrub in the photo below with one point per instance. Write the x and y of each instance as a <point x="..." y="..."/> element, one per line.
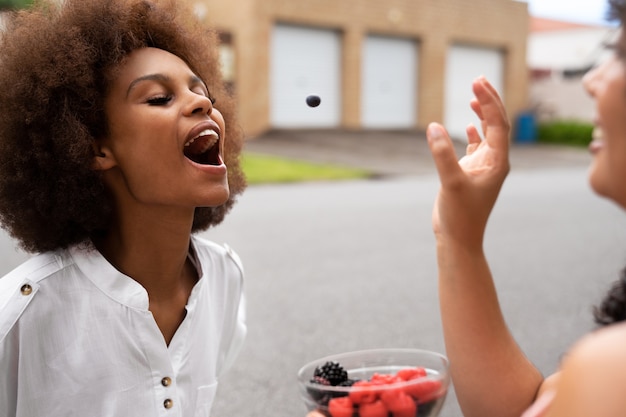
<point x="14" y="4"/>
<point x="565" y="132"/>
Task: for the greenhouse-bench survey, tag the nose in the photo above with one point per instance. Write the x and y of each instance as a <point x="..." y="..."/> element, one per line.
<point x="590" y="80"/>
<point x="199" y="104"/>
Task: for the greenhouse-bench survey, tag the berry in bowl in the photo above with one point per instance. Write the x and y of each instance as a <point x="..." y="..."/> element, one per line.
<point x="376" y="383"/>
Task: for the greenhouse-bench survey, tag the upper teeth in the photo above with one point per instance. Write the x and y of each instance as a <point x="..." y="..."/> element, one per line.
<point x="597" y="133"/>
<point x="207" y="132"/>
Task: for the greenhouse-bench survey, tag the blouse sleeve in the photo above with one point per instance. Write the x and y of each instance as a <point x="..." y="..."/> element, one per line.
<point x="234" y="337"/>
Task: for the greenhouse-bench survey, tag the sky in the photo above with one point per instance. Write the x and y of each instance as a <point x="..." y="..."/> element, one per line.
<point x="585" y="11"/>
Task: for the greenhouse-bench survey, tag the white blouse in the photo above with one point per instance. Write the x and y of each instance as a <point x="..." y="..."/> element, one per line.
<point x="77" y="338"/>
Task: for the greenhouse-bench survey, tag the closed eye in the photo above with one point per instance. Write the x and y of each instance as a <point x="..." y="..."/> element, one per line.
<point x="616" y="47"/>
<point x="159" y="100"/>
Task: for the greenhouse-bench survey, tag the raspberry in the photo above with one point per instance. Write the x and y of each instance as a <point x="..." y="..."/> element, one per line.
<point x="332" y="372"/>
<point x="399" y="403"/>
<point x="340" y="407"/>
<point x="424" y="391"/>
<point x="411" y="373"/>
<point x="375" y="409"/>
<point x="366" y="392"/>
<point x="384" y="379"/>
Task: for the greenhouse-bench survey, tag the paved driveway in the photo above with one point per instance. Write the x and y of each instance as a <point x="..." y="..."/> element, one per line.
<point x="397" y="152"/>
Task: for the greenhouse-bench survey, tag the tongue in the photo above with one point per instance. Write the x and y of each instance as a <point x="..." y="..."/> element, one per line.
<point x="198" y="146"/>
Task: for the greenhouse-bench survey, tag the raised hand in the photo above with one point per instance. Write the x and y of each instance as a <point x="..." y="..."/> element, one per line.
<point x="470" y="186"/>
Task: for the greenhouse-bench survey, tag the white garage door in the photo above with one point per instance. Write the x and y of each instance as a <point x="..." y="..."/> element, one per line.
<point x="463" y="65"/>
<point x="389" y="83"/>
<point x="304" y="61"/>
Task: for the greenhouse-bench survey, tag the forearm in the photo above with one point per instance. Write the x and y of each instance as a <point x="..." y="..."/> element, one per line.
<point x="491" y="375"/>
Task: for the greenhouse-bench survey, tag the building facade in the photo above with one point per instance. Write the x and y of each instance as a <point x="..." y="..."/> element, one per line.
<point x="559" y="55"/>
<point x="394" y="64"/>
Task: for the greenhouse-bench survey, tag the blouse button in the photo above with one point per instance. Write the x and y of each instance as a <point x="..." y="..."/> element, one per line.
<point x="26" y="289"/>
<point x="168" y="403"/>
<point x="166" y="382"/>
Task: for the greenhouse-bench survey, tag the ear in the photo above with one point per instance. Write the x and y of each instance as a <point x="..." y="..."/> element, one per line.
<point x="103" y="157"/>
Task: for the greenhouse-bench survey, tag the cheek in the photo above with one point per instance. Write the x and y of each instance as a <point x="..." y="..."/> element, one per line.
<point x="219" y="119"/>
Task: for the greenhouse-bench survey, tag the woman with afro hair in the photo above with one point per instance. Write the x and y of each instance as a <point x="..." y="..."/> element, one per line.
<point x="491" y="375"/>
<point x="114" y="153"/>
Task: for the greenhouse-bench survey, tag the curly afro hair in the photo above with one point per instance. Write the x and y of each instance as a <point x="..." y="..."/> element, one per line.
<point x="55" y="66"/>
<point x="613" y="306"/>
<point x="617" y="11"/>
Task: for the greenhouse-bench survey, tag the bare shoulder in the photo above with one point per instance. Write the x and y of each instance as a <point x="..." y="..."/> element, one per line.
<point x="593" y="376"/>
<point x="604" y="347"/>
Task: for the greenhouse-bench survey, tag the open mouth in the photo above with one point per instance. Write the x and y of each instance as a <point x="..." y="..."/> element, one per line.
<point x="204" y="149"/>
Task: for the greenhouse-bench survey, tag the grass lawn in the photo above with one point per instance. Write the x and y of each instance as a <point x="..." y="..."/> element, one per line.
<point x="264" y="169"/>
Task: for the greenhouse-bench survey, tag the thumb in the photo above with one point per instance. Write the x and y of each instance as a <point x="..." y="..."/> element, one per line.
<point x="443" y="153"/>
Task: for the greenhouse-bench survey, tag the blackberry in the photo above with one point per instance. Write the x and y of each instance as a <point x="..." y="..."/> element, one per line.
<point x="347" y="383"/>
<point x="319" y="380"/>
<point x="333" y="372"/>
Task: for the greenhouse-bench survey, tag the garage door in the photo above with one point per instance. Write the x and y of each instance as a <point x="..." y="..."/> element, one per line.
<point x="389" y="83"/>
<point x="463" y="65"/>
<point x="304" y="61"/>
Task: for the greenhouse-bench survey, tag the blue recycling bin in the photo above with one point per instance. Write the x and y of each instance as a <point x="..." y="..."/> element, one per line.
<point x="526" y="128"/>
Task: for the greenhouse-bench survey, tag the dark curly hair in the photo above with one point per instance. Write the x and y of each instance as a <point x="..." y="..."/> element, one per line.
<point x="56" y="63"/>
<point x="617" y="11"/>
<point x="612" y="309"/>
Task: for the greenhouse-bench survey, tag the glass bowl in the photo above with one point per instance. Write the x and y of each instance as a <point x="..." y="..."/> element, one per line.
<point x="376" y="383"/>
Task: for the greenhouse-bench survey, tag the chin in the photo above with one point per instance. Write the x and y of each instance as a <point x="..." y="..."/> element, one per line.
<point x="603" y="189"/>
<point x="217" y="197"/>
<point x="597" y="177"/>
<point x="596" y="184"/>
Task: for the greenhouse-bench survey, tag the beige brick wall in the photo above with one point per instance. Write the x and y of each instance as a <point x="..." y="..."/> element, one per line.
<point x="434" y="24"/>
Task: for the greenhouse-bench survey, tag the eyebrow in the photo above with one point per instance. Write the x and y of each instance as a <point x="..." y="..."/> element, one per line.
<point x="193" y="79"/>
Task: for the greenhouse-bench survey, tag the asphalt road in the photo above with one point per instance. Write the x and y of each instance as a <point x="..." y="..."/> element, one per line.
<point x="335" y="267"/>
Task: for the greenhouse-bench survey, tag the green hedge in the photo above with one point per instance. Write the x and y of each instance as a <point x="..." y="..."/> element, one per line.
<point x="565" y="132"/>
<point x="14" y="4"/>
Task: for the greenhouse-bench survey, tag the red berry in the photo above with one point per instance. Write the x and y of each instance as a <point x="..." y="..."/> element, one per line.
<point x="411" y="373"/>
<point x="424" y="391"/>
<point x="399" y="403"/>
<point x="375" y="409"/>
<point x="363" y="392"/>
<point x="340" y="407"/>
<point x="384" y="379"/>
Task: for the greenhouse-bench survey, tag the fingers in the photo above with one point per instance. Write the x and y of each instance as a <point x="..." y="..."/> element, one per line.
<point x="475" y="105"/>
<point x="492" y="113"/>
<point x="443" y="153"/>
<point x="495" y="125"/>
<point x="315" y="414"/>
<point x="473" y="139"/>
